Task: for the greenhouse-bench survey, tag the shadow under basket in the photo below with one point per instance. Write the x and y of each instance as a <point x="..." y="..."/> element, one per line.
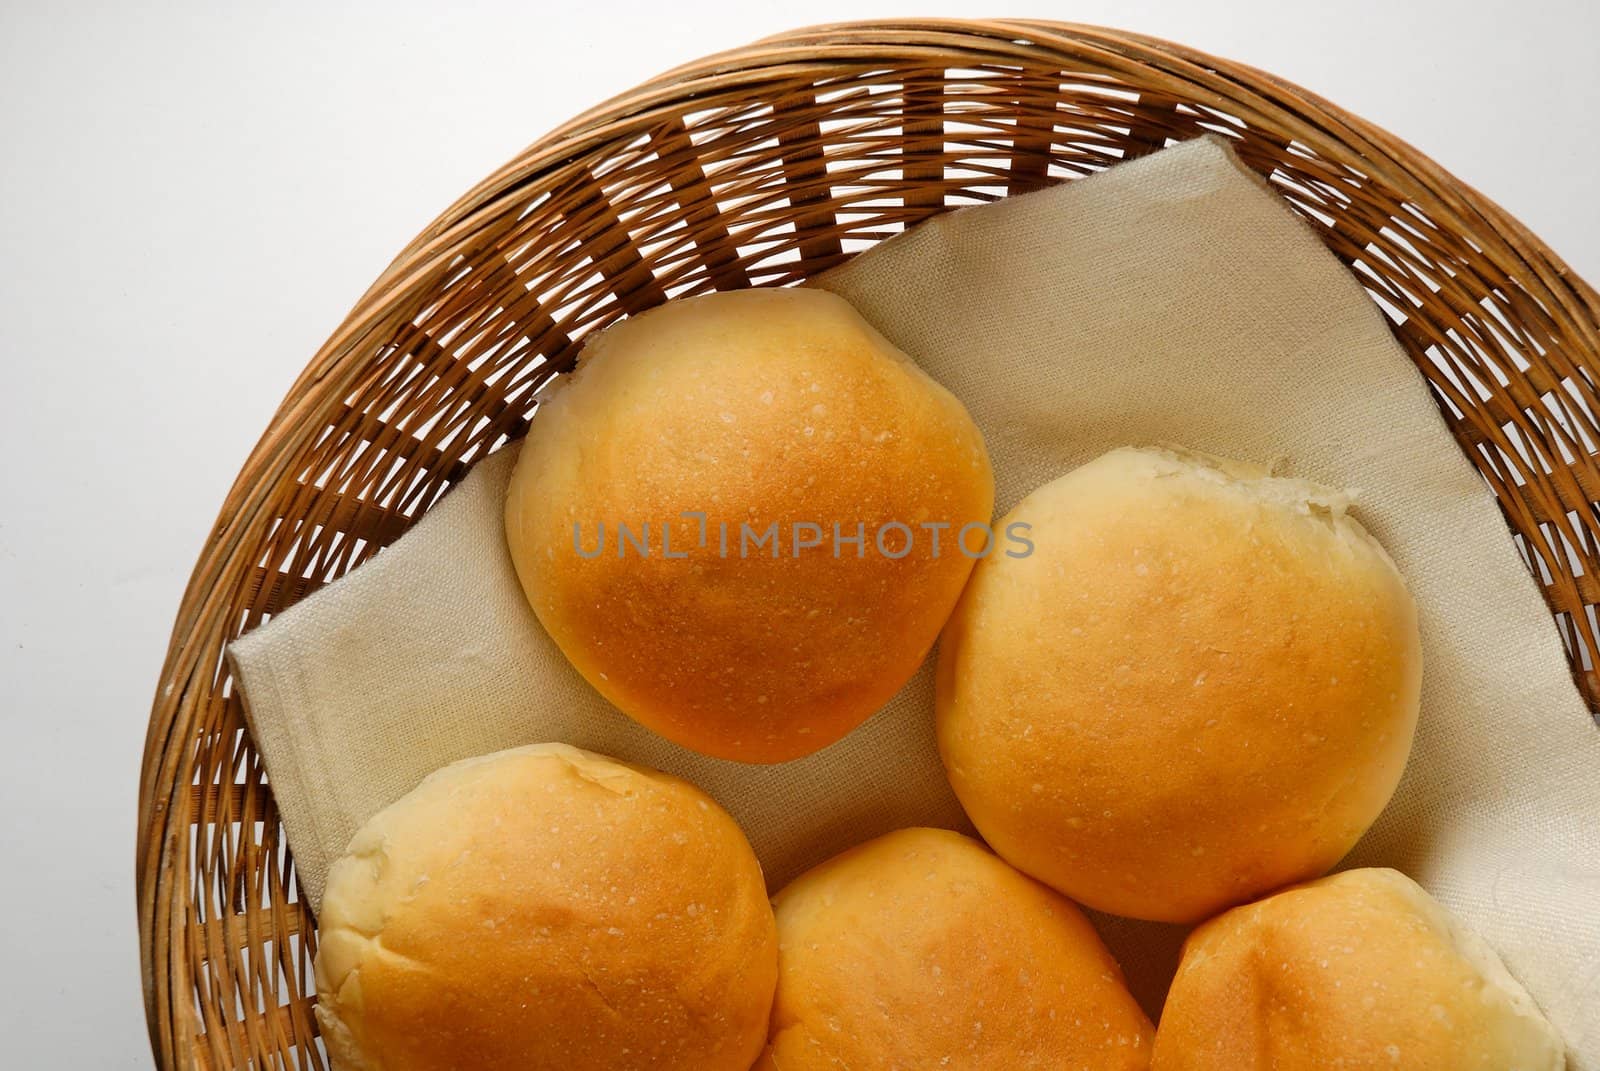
<point x="762" y="167"/>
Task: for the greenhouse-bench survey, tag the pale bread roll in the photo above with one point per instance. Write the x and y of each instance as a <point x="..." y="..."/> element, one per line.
<point x="758" y="408"/>
<point x="1362" y="971"/>
<point x="546" y="908"/>
<point x="921" y="949"/>
<point x="1201" y="686"/>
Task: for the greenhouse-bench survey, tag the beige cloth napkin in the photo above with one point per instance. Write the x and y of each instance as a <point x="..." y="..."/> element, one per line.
<point x="1171" y="299"/>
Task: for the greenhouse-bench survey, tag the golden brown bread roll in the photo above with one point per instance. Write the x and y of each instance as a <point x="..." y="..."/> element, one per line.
<point x="546" y="908"/>
<point x="737" y="429"/>
<point x="1362" y="971"/>
<point x="921" y="949"/>
<point x="1202" y="685"/>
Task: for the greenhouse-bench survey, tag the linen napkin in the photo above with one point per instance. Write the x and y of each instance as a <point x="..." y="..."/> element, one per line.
<point x="1172" y="299"/>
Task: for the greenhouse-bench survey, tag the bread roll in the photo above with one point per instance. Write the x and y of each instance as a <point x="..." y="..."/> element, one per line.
<point x="1361" y="971"/>
<point x="922" y="950"/>
<point x="733" y="431"/>
<point x="1200" y="686"/>
<point x="546" y="908"/>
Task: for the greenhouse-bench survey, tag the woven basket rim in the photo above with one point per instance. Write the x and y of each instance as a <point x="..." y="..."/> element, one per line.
<point x="1396" y="161"/>
<point x="1267" y="101"/>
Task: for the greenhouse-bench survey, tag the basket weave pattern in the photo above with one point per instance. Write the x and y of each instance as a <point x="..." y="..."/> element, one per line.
<point x="763" y="167"/>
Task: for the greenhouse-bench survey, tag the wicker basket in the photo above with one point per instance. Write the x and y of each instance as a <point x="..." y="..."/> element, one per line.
<point x="762" y="167"/>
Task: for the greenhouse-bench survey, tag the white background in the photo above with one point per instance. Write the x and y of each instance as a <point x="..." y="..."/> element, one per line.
<point x="191" y="198"/>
